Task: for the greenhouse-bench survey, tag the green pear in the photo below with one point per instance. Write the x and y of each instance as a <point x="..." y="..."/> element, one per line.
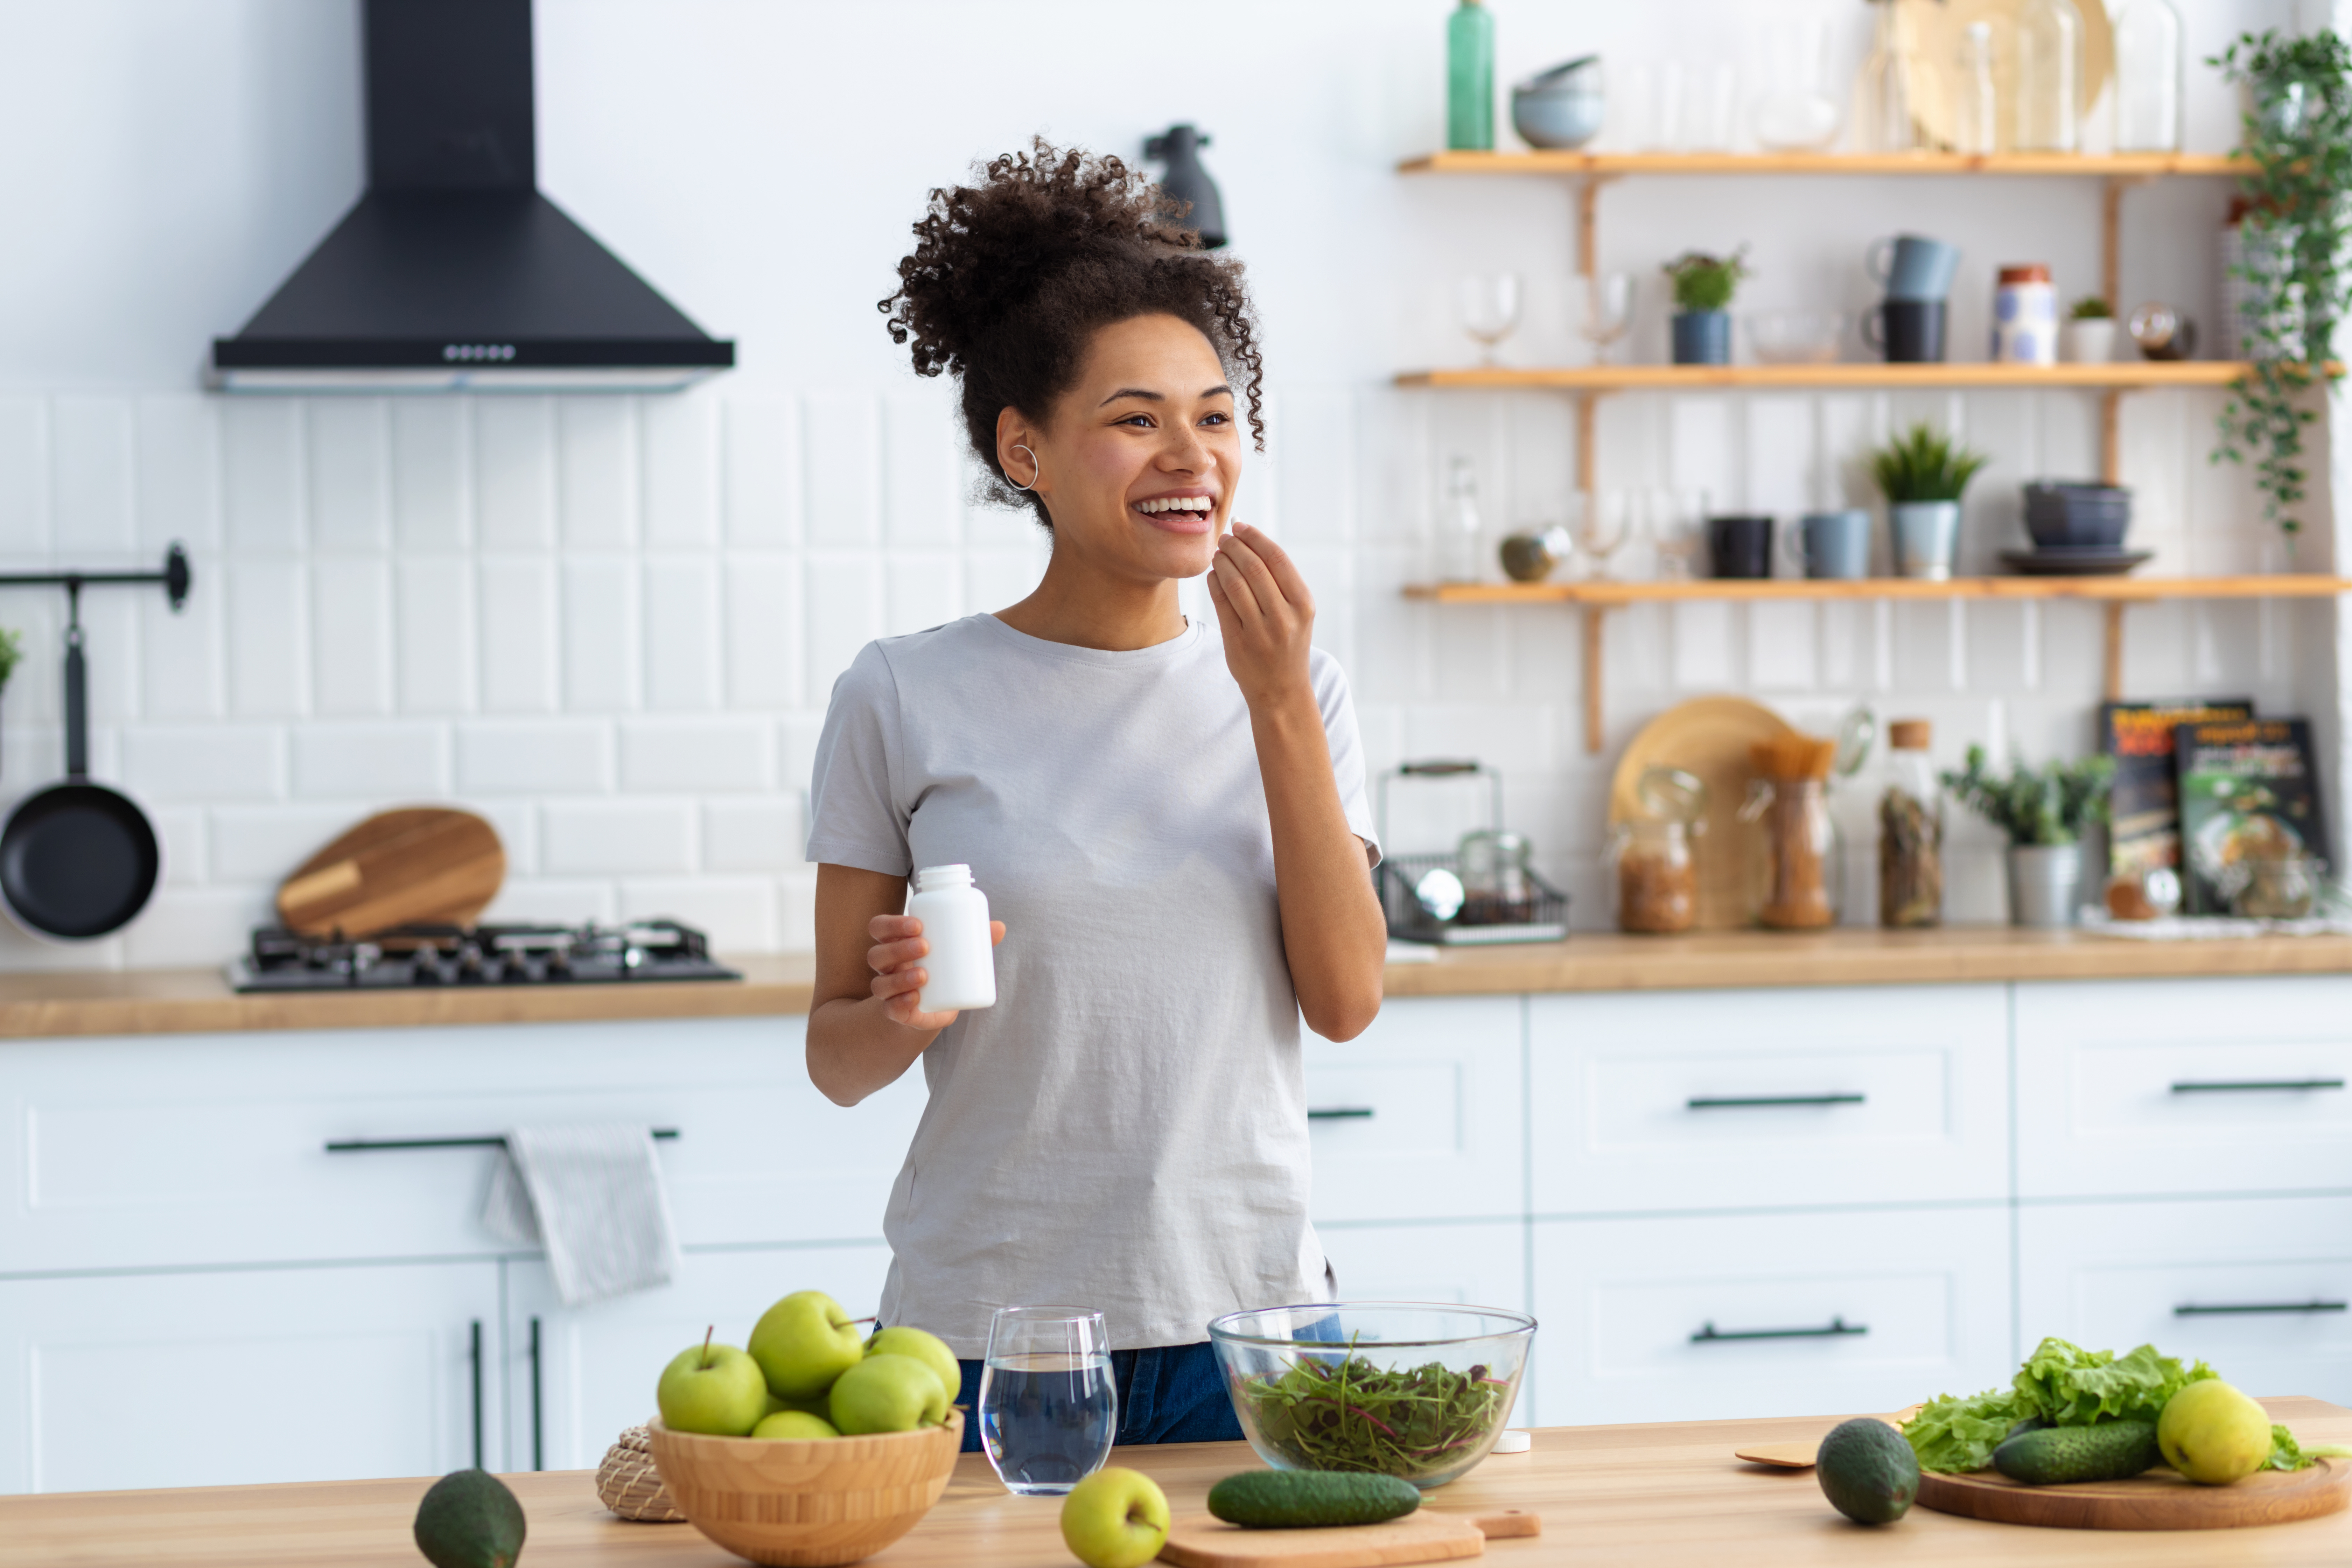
<point x="1115" y="1518"/>
<point x="804" y="1342"/>
<point x="928" y="1349"/>
<point x="888" y="1394"/>
<point x="794" y="1425"/>
<point x="2212" y="1434"/>
<point x="713" y="1389"/>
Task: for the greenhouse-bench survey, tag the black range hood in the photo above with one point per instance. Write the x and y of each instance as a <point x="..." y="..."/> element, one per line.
<point x="453" y="273"/>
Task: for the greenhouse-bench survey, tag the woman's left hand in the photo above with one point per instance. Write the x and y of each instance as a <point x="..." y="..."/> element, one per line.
<point x="1266" y="614"/>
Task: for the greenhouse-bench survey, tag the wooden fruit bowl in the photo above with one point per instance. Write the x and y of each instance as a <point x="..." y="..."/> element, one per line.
<point x="806" y="1504"/>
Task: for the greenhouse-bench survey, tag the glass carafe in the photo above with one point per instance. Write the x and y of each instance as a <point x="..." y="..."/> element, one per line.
<point x="2147" y="85"/>
<point x="1885" y="115"/>
<point x="2046" y="75"/>
<point x="1976" y="101"/>
<point x="1796" y="863"/>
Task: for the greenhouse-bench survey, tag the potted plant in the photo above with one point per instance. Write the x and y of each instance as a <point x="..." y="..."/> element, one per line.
<point x="1922" y="474"/>
<point x="2089" y="334"/>
<point x="2297" y="238"/>
<point x="2044" y="813"/>
<point x="1704" y="285"/>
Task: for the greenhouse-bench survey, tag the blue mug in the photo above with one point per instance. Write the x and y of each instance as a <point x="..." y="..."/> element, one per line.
<point x="1836" y="543"/>
<point x="1913" y="267"/>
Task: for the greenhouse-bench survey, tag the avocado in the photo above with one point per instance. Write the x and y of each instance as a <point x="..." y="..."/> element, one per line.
<point x="1867" y="1470"/>
<point x="1293" y="1500"/>
<point x="469" y="1519"/>
<point x="2059" y="1455"/>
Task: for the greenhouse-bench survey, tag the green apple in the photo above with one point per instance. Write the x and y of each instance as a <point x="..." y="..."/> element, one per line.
<point x="713" y="1389"/>
<point x="928" y="1349"/>
<point x="889" y="1393"/>
<point x="1115" y="1518"/>
<point x="804" y="1342"/>
<point x="815" y="1407"/>
<point x="796" y="1425"/>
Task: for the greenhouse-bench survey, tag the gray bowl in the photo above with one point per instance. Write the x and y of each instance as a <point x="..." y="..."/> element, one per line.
<point x="1556" y="117"/>
<point x="2077" y="516"/>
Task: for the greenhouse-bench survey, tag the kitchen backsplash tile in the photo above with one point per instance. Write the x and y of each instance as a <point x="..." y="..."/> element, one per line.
<point x="613" y="624"/>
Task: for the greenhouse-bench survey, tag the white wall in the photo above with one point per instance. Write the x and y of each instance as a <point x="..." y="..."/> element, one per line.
<point x="611" y="622"/>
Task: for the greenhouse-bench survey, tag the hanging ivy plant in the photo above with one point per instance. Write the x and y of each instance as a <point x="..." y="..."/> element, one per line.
<point x="2299" y="134"/>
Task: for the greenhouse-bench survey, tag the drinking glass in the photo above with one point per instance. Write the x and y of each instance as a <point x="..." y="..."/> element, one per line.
<point x="1049" y="1408"/>
<point x="1677" y="523"/>
<point x="1489" y="302"/>
<point x="1608" y="312"/>
<point x="1603" y="523"/>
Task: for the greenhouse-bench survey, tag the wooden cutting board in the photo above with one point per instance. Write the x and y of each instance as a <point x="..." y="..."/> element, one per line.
<point x="422" y="863"/>
<point x="2159" y="1500"/>
<point x="1425" y="1536"/>
<point x="1708" y="736"/>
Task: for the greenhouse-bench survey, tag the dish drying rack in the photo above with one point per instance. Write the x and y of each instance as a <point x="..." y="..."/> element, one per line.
<point x="1541" y="917"/>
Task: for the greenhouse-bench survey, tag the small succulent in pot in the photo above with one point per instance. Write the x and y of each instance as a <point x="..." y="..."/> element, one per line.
<point x="1922" y="473"/>
<point x="2088" y="336"/>
<point x="2091" y="308"/>
<point x="1703" y="286"/>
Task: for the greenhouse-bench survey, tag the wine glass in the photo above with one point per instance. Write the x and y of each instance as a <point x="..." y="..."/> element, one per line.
<point x="1604" y="521"/>
<point x="1608" y="312"/>
<point x="1489" y="303"/>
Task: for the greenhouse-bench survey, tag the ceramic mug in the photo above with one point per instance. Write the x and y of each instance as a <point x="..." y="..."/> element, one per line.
<point x="1907" y="332"/>
<point x="1836" y="544"/>
<point x="1740" y="546"/>
<point x="1913" y="267"/>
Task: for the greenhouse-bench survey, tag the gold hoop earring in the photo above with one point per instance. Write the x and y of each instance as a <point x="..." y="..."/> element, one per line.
<point x="1033" y="478"/>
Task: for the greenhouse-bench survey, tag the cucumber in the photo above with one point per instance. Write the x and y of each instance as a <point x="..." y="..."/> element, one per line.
<point x="2061" y="1456"/>
<point x="1300" y="1499"/>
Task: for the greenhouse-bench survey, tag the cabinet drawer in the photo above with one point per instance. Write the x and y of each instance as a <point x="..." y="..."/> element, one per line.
<point x="213" y="1149"/>
<point x="1702" y="1319"/>
<point x="1420" y="1116"/>
<point x="2184" y="1086"/>
<point x="1718" y="1100"/>
<point x="2261" y="1288"/>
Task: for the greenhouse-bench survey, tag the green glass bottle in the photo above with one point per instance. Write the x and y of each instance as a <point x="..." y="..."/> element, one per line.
<point x="1470" y="78"/>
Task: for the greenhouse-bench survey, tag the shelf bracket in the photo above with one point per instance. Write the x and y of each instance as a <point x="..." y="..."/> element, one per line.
<point x="2111" y="224"/>
<point x="1594" y="729"/>
<point x="2113" y="687"/>
<point x="2111" y="439"/>
<point x="1588" y="224"/>
<point x="1587" y="457"/>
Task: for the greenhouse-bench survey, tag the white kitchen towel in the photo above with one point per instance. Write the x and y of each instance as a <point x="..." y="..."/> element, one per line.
<point x="592" y="1196"/>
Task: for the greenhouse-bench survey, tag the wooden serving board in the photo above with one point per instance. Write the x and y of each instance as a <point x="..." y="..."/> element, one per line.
<point x="422" y="863"/>
<point x="1425" y="1536"/>
<point x="1708" y="737"/>
<point x="2159" y="1499"/>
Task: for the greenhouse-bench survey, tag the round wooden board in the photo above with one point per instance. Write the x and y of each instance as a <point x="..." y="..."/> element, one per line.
<point x="2159" y="1499"/>
<point x="1937" y="28"/>
<point x="1708" y="736"/>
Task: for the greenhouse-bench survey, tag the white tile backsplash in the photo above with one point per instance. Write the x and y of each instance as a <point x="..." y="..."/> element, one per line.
<point x="594" y="837"/>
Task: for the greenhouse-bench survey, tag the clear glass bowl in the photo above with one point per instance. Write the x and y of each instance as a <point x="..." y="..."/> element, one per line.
<point x="1797" y="337"/>
<point x="1412" y="1389"/>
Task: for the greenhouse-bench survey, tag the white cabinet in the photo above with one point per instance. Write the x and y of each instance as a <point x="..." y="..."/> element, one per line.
<point x="2184" y="1087"/>
<point x="1674" y="1319"/>
<point x="2260" y="1288"/>
<point x="1420" y="1116"/>
<point x="222" y="1378"/>
<point x="1481" y="1263"/>
<point x="1732" y="1098"/>
<point x="594" y="1371"/>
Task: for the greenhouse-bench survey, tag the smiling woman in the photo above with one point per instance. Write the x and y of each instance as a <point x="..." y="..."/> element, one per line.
<point x="1171" y="820"/>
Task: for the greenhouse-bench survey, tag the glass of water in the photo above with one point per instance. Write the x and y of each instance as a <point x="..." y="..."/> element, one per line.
<point x="1049" y="1408"/>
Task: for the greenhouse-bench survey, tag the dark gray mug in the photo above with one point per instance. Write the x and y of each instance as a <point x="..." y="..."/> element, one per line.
<point x="1739" y="546"/>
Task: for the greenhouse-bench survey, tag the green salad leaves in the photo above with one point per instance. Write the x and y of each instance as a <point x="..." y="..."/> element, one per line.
<point x="1955" y="1433"/>
<point x="2061" y="1384"/>
<point x="1348" y="1414"/>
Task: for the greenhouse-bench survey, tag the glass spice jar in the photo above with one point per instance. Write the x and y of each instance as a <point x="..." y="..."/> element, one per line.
<point x="1653" y="858"/>
<point x="1796" y="860"/>
<point x="1910" y="831"/>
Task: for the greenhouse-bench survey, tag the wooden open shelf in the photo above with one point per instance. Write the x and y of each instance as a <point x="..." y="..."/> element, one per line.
<point x="2128" y="165"/>
<point x="2118" y="375"/>
<point x="1597" y="598"/>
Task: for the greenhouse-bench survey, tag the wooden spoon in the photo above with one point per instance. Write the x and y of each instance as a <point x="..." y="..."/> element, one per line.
<point x="1800" y="1456"/>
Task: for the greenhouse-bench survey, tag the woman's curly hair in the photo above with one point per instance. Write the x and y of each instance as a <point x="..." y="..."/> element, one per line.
<point x="1013" y="275"/>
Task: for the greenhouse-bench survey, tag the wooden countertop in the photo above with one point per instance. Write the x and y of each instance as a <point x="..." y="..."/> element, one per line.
<point x="1667" y="1496"/>
<point x="198" y="1001"/>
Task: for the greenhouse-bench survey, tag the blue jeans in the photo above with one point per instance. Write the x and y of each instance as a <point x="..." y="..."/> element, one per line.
<point x="1168" y="1394"/>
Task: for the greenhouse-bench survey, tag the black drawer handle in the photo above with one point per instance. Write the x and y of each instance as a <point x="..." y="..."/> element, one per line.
<point x="493" y="1141"/>
<point x="1339" y="1113"/>
<point x="2249" y="1309"/>
<point x="1730" y="1102"/>
<point x="538" y="1442"/>
<point x="1836" y="1326"/>
<point x="473" y="1355"/>
<point x="2257" y="1085"/>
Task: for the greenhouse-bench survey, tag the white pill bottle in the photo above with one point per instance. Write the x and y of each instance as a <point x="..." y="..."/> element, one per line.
<point x="962" y="964"/>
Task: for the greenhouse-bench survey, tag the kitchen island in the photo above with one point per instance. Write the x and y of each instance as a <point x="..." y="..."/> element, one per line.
<point x="1658" y="1496"/>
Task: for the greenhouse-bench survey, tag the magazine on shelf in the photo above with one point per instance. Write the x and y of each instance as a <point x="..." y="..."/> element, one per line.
<point x="2249" y="791"/>
<point x="2144" y="818"/>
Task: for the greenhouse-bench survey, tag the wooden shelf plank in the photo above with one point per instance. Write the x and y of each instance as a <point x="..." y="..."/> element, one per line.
<point x="1612" y="595"/>
<point x="1688" y="377"/>
<point x="2126" y="164"/>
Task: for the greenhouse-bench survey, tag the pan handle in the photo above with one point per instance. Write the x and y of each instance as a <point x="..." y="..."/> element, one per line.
<point x="76" y="706"/>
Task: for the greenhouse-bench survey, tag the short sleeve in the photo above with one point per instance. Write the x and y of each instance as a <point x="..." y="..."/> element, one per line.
<point x="856" y="816"/>
<point x="1347" y="749"/>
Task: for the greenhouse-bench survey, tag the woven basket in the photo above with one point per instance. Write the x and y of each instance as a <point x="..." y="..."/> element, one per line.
<point x="628" y="1483"/>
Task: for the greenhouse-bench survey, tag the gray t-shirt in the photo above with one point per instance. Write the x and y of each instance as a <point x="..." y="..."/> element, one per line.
<point x="1126" y="1128"/>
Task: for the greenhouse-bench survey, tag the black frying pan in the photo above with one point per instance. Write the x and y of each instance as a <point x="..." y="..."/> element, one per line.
<point x="78" y="860"/>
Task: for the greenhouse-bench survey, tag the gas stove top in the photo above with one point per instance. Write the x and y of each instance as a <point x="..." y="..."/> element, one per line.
<point x="419" y="956"/>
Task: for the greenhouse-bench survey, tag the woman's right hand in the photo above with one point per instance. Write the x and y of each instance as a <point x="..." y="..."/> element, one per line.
<point x="896" y="958"/>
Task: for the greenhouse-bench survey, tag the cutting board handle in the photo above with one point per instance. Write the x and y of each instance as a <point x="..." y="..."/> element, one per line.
<point x="1509" y="1522"/>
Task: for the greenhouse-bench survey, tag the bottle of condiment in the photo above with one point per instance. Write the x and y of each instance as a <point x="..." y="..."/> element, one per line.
<point x="2047" y="75"/>
<point x="2147" y="77"/>
<point x="1470" y="78"/>
<point x="1910" y="831"/>
<point x="961" y="965"/>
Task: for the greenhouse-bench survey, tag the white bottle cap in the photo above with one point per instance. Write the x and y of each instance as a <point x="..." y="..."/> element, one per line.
<point x="935" y="878"/>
